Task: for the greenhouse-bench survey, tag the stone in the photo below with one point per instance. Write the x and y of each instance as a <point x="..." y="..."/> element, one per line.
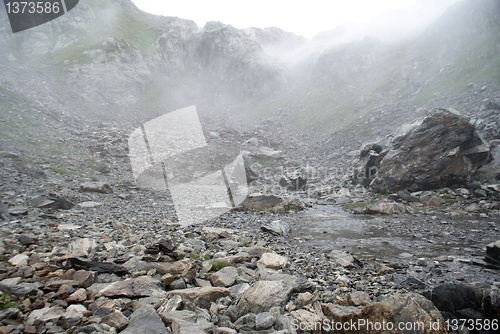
<point x="385" y="208"/>
<point x="306" y="317"/>
<point x="78" y="296"/>
<point x="27" y="239"/>
<point x="90" y="205"/>
<point x="245" y="323"/>
<point x="15" y="287"/>
<point x="272" y="261"/>
<point x="443" y="150"/>
<point x="264" y="295"/>
<point x="201" y="297"/>
<point x="96" y="187"/>
<point x="44" y="315"/>
<point x="359" y="298"/>
<point x="116" y="319"/>
<point x="453" y="298"/>
<point x="144" y="286"/>
<point x="225" y="277"/>
<point x="145" y="320"/>
<point x="83" y="278"/>
<point x="4" y="213"/>
<point x="304" y="299"/>
<point x="405" y="309"/>
<point x="19" y="260"/>
<point x="52" y="200"/>
<point x="70" y="319"/>
<point x="172" y="304"/>
<point x="343" y="259"/>
<point x="264" y="320"/>
<point x="82" y="247"/>
<point x="493" y="252"/>
<point x="277" y="227"/>
<point x="261" y="202"/>
<point x="237" y="290"/>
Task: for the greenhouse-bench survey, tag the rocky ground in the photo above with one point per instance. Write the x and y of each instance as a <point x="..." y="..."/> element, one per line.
<point x="100" y="255"/>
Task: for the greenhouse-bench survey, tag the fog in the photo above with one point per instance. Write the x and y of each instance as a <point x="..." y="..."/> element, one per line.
<point x="392" y="27"/>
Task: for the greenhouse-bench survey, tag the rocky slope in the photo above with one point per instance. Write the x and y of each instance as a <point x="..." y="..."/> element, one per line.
<point x="83" y="249"/>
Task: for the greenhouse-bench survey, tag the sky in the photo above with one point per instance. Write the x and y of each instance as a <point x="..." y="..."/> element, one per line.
<point x="306" y="18"/>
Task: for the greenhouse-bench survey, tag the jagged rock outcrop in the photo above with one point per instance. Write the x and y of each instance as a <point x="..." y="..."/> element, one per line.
<point x="442" y="150"/>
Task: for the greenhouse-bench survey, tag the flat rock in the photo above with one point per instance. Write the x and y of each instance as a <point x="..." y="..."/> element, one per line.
<point x="19" y="260"/>
<point x="277" y="227"/>
<point x="144" y="286"/>
<point x="264" y="295"/>
<point x="273" y="261"/>
<point x="201" y="297"/>
<point x="224" y="277"/>
<point x="145" y="320"/>
<point x="96" y="187"/>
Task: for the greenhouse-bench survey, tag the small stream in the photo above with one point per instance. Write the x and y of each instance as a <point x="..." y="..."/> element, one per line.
<point x="393" y="236"/>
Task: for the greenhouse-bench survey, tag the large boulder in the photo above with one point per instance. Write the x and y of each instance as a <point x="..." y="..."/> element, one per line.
<point x="443" y="150"/>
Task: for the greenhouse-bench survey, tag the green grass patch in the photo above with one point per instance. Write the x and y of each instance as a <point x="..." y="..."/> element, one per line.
<point x="7" y="302"/>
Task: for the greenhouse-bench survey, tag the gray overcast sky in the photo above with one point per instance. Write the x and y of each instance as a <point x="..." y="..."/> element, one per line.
<point x="306" y="18"/>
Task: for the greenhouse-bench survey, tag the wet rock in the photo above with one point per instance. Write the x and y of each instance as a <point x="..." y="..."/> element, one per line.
<point x="224" y="277"/>
<point x="272" y="261"/>
<point x="277" y="227"/>
<point x="264" y="295"/>
<point x="145" y="320"/>
<point x="443" y="150"/>
<point x="493" y="252"/>
<point x="455" y="298"/>
<point x="96" y="187"/>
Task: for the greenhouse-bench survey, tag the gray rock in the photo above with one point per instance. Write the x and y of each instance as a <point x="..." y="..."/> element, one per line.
<point x="116" y="319"/>
<point x="385" y="208"/>
<point x="343" y="259"/>
<point x="443" y="150"/>
<point x="82" y="247"/>
<point x="96" y="187"/>
<point x="19" y="260"/>
<point x="277" y="227"/>
<point x="144" y="286"/>
<point x="145" y="320"/>
<point x="15" y="287"/>
<point x="201" y="297"/>
<point x="44" y="315"/>
<point x="272" y="261"/>
<point x="493" y="252"/>
<point x="245" y="323"/>
<point x="4" y="213"/>
<point x="237" y="290"/>
<point x="264" y="320"/>
<point x="224" y="277"/>
<point x="264" y="295"/>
